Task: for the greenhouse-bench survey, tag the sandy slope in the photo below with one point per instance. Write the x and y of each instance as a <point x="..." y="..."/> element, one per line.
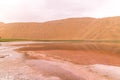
<point x="66" y="29"/>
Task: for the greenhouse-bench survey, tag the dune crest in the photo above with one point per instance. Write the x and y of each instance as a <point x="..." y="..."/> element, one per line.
<point x="65" y="29"/>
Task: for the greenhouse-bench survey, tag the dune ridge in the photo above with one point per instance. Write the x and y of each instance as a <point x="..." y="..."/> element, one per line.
<point x="65" y="29"/>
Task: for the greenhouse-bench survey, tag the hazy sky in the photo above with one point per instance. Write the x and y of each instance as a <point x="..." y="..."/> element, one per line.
<point x="44" y="10"/>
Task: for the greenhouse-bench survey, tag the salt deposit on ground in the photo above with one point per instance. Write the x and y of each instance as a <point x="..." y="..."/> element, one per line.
<point x="16" y="67"/>
<point x="113" y="72"/>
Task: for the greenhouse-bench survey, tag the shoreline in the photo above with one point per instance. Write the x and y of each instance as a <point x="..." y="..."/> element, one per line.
<point x="50" y="68"/>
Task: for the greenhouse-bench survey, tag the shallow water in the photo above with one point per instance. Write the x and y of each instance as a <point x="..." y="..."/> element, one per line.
<point x="80" y="53"/>
<point x="50" y="68"/>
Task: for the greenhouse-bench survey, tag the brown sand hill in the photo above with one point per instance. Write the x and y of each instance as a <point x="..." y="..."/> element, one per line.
<point x="66" y="29"/>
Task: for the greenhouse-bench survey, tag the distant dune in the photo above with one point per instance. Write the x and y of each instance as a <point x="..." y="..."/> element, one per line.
<point x="66" y="29"/>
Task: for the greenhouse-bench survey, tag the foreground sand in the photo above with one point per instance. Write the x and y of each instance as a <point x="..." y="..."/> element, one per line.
<point x="36" y="64"/>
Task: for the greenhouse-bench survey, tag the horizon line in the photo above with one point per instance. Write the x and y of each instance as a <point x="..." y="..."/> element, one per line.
<point x="56" y="19"/>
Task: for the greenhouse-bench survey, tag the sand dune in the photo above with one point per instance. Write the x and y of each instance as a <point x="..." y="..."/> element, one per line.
<point x="66" y="29"/>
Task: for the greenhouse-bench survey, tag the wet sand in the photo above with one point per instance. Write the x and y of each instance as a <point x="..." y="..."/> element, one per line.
<point x="52" y="61"/>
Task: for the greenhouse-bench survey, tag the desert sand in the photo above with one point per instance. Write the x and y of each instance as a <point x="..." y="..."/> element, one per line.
<point x="67" y="29"/>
